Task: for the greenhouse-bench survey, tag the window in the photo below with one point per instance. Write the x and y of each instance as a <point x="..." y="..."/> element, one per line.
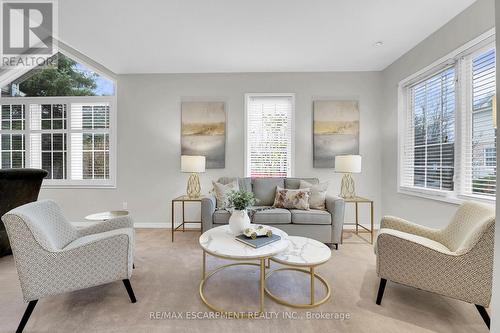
<point x="269" y="135"/>
<point x="64" y="129"/>
<point x="479" y="167"/>
<point x="429" y="152"/>
<point x="448" y="135"/>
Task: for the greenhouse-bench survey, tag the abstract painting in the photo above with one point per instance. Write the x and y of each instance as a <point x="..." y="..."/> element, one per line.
<point x="203" y="132"/>
<point x="335" y="131"/>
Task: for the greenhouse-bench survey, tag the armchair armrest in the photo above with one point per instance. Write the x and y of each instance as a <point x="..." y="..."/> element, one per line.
<point x="112" y="224"/>
<point x="336" y="207"/>
<point x="208" y="205"/>
<point x="396" y="223"/>
<point x="425" y="242"/>
<point x="425" y="264"/>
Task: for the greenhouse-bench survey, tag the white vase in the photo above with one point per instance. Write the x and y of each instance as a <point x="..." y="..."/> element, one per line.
<point x="238" y="222"/>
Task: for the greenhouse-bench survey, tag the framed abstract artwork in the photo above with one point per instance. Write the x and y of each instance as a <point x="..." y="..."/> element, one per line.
<point x="335" y="131"/>
<point x="203" y="132"/>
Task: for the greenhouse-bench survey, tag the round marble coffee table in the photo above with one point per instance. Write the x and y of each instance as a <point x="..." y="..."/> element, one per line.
<point x="303" y="252"/>
<point x="104" y="216"/>
<point x="220" y="242"/>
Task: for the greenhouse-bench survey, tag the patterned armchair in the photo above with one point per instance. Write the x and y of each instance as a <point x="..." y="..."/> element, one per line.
<point x="456" y="261"/>
<point x="53" y="257"/>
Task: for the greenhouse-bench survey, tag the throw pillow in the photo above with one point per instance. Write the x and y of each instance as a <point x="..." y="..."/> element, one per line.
<point x="222" y="190"/>
<point x="318" y="194"/>
<point x="292" y="199"/>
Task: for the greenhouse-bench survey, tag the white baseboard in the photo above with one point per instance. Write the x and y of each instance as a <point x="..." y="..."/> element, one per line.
<point x="160" y="225"/>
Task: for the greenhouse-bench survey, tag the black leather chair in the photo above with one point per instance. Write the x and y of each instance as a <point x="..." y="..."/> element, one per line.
<point x="17" y="187"/>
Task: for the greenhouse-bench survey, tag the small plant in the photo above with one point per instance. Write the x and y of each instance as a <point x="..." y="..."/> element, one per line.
<point x="240" y="200"/>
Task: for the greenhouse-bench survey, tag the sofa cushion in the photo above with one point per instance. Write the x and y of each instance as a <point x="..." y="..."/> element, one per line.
<point x="294" y="183"/>
<point x="272" y="216"/>
<point x="221" y="216"/>
<point x="245" y="184"/>
<point x="292" y="199"/>
<point x="264" y="189"/>
<point x="222" y="191"/>
<point x="312" y="216"/>
<point x="318" y="194"/>
<point x="267" y="215"/>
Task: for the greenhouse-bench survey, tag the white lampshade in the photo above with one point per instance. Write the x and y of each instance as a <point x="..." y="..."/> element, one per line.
<point x="348" y="163"/>
<point x="192" y="163"/>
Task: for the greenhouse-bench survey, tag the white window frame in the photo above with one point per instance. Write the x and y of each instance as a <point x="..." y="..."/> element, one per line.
<point x="463" y="97"/>
<point x="9" y="75"/>
<point x="245" y="124"/>
<point x="68" y="100"/>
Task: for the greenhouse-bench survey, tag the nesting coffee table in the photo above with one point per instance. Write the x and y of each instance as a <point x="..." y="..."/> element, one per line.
<point x="303" y="255"/>
<point x="219" y="242"/>
<point x="297" y="252"/>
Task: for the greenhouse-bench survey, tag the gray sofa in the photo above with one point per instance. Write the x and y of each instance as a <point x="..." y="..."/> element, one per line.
<point x="322" y="225"/>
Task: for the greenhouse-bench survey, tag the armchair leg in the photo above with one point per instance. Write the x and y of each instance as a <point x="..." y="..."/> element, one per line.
<point x="381" y="290"/>
<point x="484" y="314"/>
<point x="26" y="316"/>
<point x="336" y="246"/>
<point x="130" y="291"/>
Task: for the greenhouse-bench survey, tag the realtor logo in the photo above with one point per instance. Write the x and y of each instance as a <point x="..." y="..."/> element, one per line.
<point x="27" y="33"/>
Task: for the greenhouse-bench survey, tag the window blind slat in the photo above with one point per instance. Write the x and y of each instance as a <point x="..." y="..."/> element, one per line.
<point x="269" y="136"/>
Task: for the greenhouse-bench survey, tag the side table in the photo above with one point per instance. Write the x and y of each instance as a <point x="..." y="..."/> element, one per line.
<point x="359" y="200"/>
<point x="104" y="216"/>
<point x="183" y="199"/>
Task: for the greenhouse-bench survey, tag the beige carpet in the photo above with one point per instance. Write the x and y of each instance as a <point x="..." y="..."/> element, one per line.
<point x="166" y="280"/>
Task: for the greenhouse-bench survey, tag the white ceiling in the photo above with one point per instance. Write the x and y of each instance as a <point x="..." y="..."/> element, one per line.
<point x="201" y="36"/>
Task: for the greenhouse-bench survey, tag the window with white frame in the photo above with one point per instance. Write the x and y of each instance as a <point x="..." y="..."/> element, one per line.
<point x="70" y="136"/>
<point x="269" y="135"/>
<point x="447" y="129"/>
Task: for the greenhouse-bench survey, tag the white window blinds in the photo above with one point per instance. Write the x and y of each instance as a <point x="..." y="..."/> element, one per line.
<point x="448" y="127"/>
<point x="479" y="132"/>
<point x="71" y="138"/>
<point x="269" y="135"/>
<point x="429" y="137"/>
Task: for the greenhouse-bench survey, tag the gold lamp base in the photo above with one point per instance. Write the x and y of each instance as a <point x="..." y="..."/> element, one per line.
<point x="193" y="186"/>
<point x="347" y="187"/>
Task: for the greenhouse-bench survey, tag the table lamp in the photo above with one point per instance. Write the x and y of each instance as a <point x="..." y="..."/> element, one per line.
<point x="347" y="164"/>
<point x="193" y="165"/>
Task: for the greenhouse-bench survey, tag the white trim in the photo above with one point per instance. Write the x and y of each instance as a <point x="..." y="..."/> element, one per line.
<point x="245" y="128"/>
<point x="81" y="58"/>
<point x="68" y="100"/>
<point x="454" y="58"/>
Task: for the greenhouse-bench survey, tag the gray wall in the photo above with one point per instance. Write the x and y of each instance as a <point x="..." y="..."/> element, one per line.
<point x="472" y="22"/>
<point x="149" y="136"/>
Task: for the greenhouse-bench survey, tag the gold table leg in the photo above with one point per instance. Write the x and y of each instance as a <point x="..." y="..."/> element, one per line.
<point x="262" y="283"/>
<point x="371" y="222"/>
<point x="204" y="265"/>
<point x="235" y="314"/>
<point x="357" y="219"/>
<point x="312" y="285"/>
<point x="311" y="272"/>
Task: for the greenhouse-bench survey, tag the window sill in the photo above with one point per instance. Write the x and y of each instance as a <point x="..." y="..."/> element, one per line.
<point x="452" y="198"/>
<point x="78" y="186"/>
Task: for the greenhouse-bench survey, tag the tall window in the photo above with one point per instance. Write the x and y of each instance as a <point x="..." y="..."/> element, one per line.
<point x="59" y="119"/>
<point x="429" y="152"/>
<point x="480" y="132"/>
<point x="269" y="135"/>
<point x="458" y="97"/>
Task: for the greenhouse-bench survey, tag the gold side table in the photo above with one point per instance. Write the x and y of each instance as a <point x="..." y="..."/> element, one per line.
<point x="183" y="199"/>
<point x="360" y="200"/>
